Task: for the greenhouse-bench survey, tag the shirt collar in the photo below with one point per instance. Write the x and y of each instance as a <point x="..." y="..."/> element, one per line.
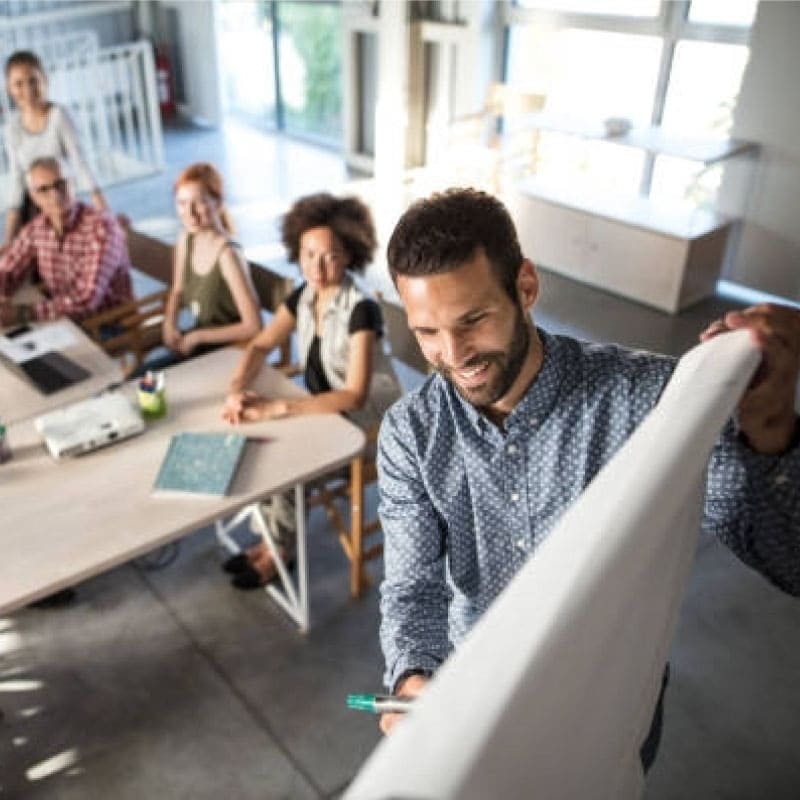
<point x="308" y="296"/>
<point x="72" y="218"/>
<point x="539" y="398"/>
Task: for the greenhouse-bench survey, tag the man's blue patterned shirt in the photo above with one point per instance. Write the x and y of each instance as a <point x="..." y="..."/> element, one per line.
<point x="463" y="503"/>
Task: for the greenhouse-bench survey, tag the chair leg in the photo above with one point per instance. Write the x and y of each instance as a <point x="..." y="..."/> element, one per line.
<point x="356" y="526"/>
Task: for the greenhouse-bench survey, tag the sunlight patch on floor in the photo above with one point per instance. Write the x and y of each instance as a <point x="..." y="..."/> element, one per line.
<point x="50" y="766"/>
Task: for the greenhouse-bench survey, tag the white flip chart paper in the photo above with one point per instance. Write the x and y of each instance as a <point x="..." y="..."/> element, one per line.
<point x="552" y="693"/>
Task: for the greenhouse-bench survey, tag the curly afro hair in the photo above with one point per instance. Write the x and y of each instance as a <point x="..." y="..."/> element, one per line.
<point x="348" y="217"/>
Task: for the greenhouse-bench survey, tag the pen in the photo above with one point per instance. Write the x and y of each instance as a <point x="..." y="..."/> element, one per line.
<point x="379" y="703"/>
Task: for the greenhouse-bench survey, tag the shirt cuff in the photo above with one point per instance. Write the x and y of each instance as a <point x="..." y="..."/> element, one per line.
<point x="426" y="673"/>
<point x="407" y="665"/>
<point x="781" y="472"/>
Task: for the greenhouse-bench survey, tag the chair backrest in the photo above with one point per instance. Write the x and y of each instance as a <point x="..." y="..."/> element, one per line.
<point x="129" y="331"/>
<point x="271" y="287"/>
<point x="150" y="255"/>
<point x="405" y="347"/>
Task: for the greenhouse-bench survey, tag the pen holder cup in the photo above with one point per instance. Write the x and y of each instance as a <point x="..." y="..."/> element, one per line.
<point x="153" y="405"/>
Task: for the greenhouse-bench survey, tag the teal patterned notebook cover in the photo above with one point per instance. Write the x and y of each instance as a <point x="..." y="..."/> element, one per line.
<point x="200" y="464"/>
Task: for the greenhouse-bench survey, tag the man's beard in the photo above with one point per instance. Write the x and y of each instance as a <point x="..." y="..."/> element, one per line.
<point x="508" y="363"/>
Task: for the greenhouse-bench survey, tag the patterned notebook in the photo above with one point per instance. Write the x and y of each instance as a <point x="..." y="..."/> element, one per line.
<point x="200" y="464"/>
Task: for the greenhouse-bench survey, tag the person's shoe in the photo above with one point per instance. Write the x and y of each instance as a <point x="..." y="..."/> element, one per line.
<point x="236" y="564"/>
<point x="55" y="600"/>
<point x="250" y="578"/>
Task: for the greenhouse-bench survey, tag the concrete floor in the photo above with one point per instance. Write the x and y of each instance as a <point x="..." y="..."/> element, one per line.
<point x="168" y="683"/>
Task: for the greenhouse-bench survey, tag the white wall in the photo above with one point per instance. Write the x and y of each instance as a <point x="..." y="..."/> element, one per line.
<point x="768" y="256"/>
<point x="198" y="48"/>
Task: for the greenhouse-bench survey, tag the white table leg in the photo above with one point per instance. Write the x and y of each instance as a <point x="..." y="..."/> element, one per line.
<point x="291" y="597"/>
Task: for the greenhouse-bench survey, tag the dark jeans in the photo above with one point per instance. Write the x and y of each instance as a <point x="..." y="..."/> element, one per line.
<point x="170" y="358"/>
<point x="649" y="748"/>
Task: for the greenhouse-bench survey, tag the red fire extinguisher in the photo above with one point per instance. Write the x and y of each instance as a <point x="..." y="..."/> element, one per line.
<point x="166" y="93"/>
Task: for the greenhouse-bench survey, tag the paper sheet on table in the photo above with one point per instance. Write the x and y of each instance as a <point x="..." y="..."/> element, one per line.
<point x="552" y="693"/>
<point x="11" y="350"/>
<point x="42" y="339"/>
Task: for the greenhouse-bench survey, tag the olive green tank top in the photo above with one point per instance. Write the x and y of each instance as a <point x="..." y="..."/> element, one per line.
<point x="207" y="296"/>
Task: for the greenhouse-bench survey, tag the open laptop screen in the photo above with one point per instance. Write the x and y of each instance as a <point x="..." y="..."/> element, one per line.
<point x="48" y="371"/>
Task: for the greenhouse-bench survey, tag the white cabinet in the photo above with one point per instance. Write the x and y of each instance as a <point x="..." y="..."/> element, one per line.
<point x="667" y="256"/>
<point x="665" y="266"/>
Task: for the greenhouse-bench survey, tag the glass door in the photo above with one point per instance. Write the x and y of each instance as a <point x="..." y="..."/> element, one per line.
<point x="247" y="63"/>
<point x="281" y="64"/>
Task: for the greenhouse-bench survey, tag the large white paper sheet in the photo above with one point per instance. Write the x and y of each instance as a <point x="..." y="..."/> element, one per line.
<point x="553" y="692"/>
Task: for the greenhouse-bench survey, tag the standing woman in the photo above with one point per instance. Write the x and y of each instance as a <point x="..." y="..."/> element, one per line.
<point x="38" y="129"/>
<point x="210" y="275"/>
<point x="339" y="339"/>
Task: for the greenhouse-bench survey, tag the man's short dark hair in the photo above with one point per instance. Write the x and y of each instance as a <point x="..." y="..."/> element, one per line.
<point x="442" y="232"/>
<point x="347" y="217"/>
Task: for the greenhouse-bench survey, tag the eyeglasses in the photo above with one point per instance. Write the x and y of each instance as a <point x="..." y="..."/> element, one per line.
<point x="56" y="186"/>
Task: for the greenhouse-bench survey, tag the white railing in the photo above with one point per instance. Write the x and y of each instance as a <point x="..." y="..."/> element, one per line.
<point x="111" y="95"/>
<point x="49" y="48"/>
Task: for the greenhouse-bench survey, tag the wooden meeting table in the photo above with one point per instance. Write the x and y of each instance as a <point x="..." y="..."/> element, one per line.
<point x="65" y="521"/>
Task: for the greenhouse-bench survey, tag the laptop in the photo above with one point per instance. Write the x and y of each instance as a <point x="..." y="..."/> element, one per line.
<point x="88" y="425"/>
<point x="48" y="371"/>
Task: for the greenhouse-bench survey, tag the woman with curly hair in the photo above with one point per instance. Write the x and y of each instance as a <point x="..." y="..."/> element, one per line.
<point x="339" y="330"/>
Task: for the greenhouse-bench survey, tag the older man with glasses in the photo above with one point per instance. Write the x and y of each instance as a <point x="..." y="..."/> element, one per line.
<point x="79" y="253"/>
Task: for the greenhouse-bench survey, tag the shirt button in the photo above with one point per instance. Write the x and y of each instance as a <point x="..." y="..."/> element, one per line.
<point x="521" y="544"/>
<point x="512" y="448"/>
<point x="514" y="497"/>
<point x="534" y="422"/>
<point x="780" y="479"/>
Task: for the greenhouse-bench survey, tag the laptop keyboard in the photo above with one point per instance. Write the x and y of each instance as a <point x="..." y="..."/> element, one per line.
<point x="52" y="372"/>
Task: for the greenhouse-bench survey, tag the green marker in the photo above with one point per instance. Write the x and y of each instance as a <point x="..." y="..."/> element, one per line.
<point x="379" y="703"/>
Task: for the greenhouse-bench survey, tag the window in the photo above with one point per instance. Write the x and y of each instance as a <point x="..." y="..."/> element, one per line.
<point x="625" y="8"/>
<point x="586" y="74"/>
<point x="723" y="12"/>
<point x="244" y="34"/>
<point x="281" y="65"/>
<point x="309" y="49"/>
<point x="703" y="87"/>
<point x="676" y="64"/>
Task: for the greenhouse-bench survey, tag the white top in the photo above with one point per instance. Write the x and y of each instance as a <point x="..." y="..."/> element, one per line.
<point x="59" y="139"/>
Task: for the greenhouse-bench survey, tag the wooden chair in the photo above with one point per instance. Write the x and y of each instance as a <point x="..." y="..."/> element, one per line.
<point x="272" y="289"/>
<point x="353" y="533"/>
<point x="128" y="332"/>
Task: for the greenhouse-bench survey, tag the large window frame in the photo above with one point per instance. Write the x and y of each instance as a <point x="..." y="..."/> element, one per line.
<point x="672" y="25"/>
<point x="271" y="10"/>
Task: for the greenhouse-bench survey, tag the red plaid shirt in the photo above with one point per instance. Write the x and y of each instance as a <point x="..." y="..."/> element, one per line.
<point x="86" y="270"/>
